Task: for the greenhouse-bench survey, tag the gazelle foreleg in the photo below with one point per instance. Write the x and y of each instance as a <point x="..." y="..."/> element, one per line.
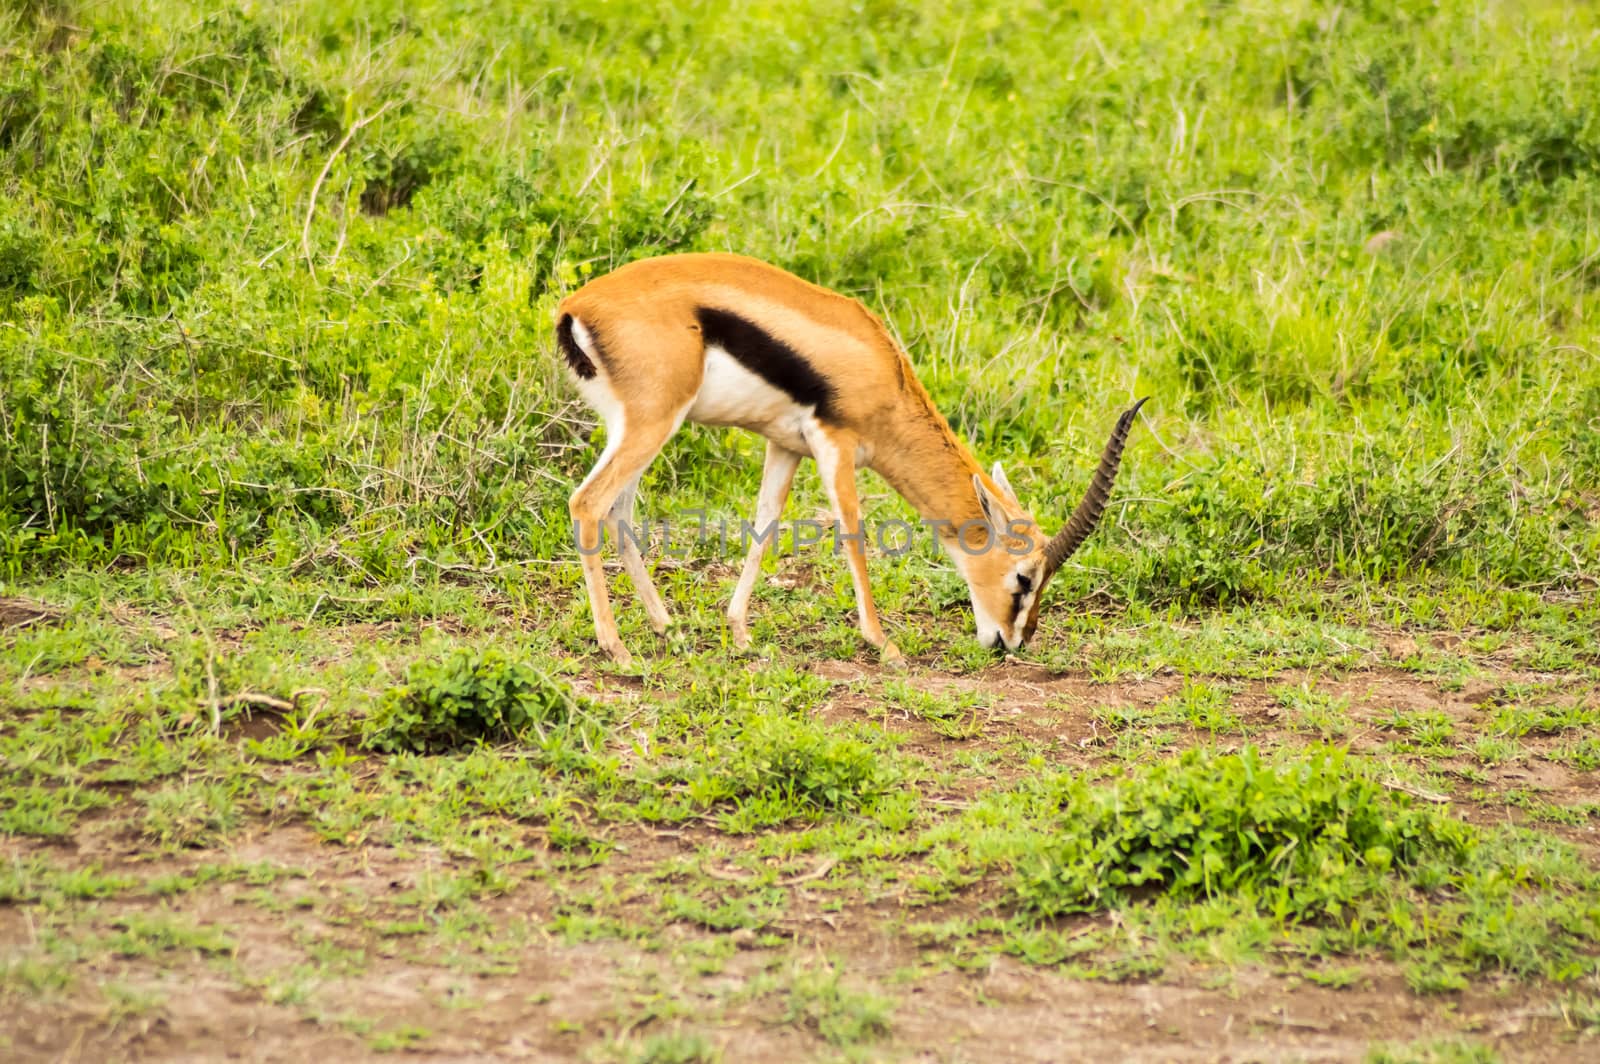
<point x="835" y="453"/>
<point x="777" y="475"/>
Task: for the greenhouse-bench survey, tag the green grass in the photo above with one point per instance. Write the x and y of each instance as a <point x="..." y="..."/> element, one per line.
<point x="1440" y="1051"/>
<point x="842" y="1016"/>
<point x="1103" y="237"/>
<point x="294" y="658"/>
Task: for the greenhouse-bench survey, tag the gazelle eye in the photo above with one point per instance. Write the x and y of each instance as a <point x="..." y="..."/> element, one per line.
<point x="1024" y="586"/>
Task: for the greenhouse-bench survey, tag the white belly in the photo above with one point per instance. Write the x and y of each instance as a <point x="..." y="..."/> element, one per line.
<point x="732" y="395"/>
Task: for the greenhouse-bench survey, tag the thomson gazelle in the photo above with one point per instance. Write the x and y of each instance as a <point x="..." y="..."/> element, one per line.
<point x="728" y="340"/>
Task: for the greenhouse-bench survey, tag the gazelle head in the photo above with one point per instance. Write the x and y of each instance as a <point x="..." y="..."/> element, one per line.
<point x="1007" y="565"/>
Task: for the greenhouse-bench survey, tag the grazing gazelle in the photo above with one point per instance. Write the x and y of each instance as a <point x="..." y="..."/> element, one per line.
<point x="728" y="340"/>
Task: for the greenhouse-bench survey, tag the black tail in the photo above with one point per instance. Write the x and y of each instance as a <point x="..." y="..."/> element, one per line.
<point x="576" y="359"/>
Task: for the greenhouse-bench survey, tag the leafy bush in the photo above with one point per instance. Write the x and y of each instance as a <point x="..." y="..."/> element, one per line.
<point x="19" y="255"/>
<point x="1300" y="836"/>
<point x="305" y="300"/>
<point x="471" y="696"/>
<point x="794" y="766"/>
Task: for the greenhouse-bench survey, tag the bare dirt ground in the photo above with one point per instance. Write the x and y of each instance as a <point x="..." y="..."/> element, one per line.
<point x="553" y="1001"/>
<point x="524" y="991"/>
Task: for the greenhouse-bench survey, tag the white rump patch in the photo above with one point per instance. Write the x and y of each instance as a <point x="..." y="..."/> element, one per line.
<point x="596" y="391"/>
<point x="585" y="339"/>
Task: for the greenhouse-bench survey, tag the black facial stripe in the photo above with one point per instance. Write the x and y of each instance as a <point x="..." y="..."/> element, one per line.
<point x="767" y="357"/>
<point x="1024" y="583"/>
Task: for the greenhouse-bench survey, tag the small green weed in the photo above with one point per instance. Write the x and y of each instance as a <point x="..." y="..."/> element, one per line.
<point x="1428" y="730"/>
<point x="32" y="809"/>
<point x="1449" y="1051"/>
<point x="1204" y="706"/>
<point x="33" y="976"/>
<point x="144" y="934"/>
<point x="843" y="1017"/>
<point x="1580" y="754"/>
<point x="1316" y="711"/>
<point x="1338" y="978"/>
<point x="406" y="1036"/>
<point x="958" y="715"/>
<point x="192" y="814"/>
<point x="678" y="1047"/>
<point x="1516" y="721"/>
<point x="34" y="879"/>
<point x="1495" y="750"/>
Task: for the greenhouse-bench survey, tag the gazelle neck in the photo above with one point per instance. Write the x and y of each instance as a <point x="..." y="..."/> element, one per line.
<point x="923" y="460"/>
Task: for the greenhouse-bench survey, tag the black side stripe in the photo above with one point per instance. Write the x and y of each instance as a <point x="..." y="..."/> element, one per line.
<point x="576" y="359"/>
<point x="768" y="358"/>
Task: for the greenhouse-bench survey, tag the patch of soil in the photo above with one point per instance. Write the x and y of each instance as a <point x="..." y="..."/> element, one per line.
<point x="324" y="965"/>
<point x="540" y="997"/>
<point x="25" y="613"/>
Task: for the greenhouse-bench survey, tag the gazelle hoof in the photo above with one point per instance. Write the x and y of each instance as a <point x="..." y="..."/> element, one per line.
<point x="892" y="656"/>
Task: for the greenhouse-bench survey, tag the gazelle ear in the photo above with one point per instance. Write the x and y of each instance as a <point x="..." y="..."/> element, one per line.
<point x="998" y="475"/>
<point x="994" y="508"/>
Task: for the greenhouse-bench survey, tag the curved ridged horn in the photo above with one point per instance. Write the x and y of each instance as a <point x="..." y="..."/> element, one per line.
<point x="1087" y="515"/>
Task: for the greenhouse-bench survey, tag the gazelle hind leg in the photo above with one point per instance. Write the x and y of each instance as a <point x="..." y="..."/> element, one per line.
<point x="835" y="455"/>
<point x="637" y="441"/>
<point x="627" y="537"/>
<point x="777" y="475"/>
